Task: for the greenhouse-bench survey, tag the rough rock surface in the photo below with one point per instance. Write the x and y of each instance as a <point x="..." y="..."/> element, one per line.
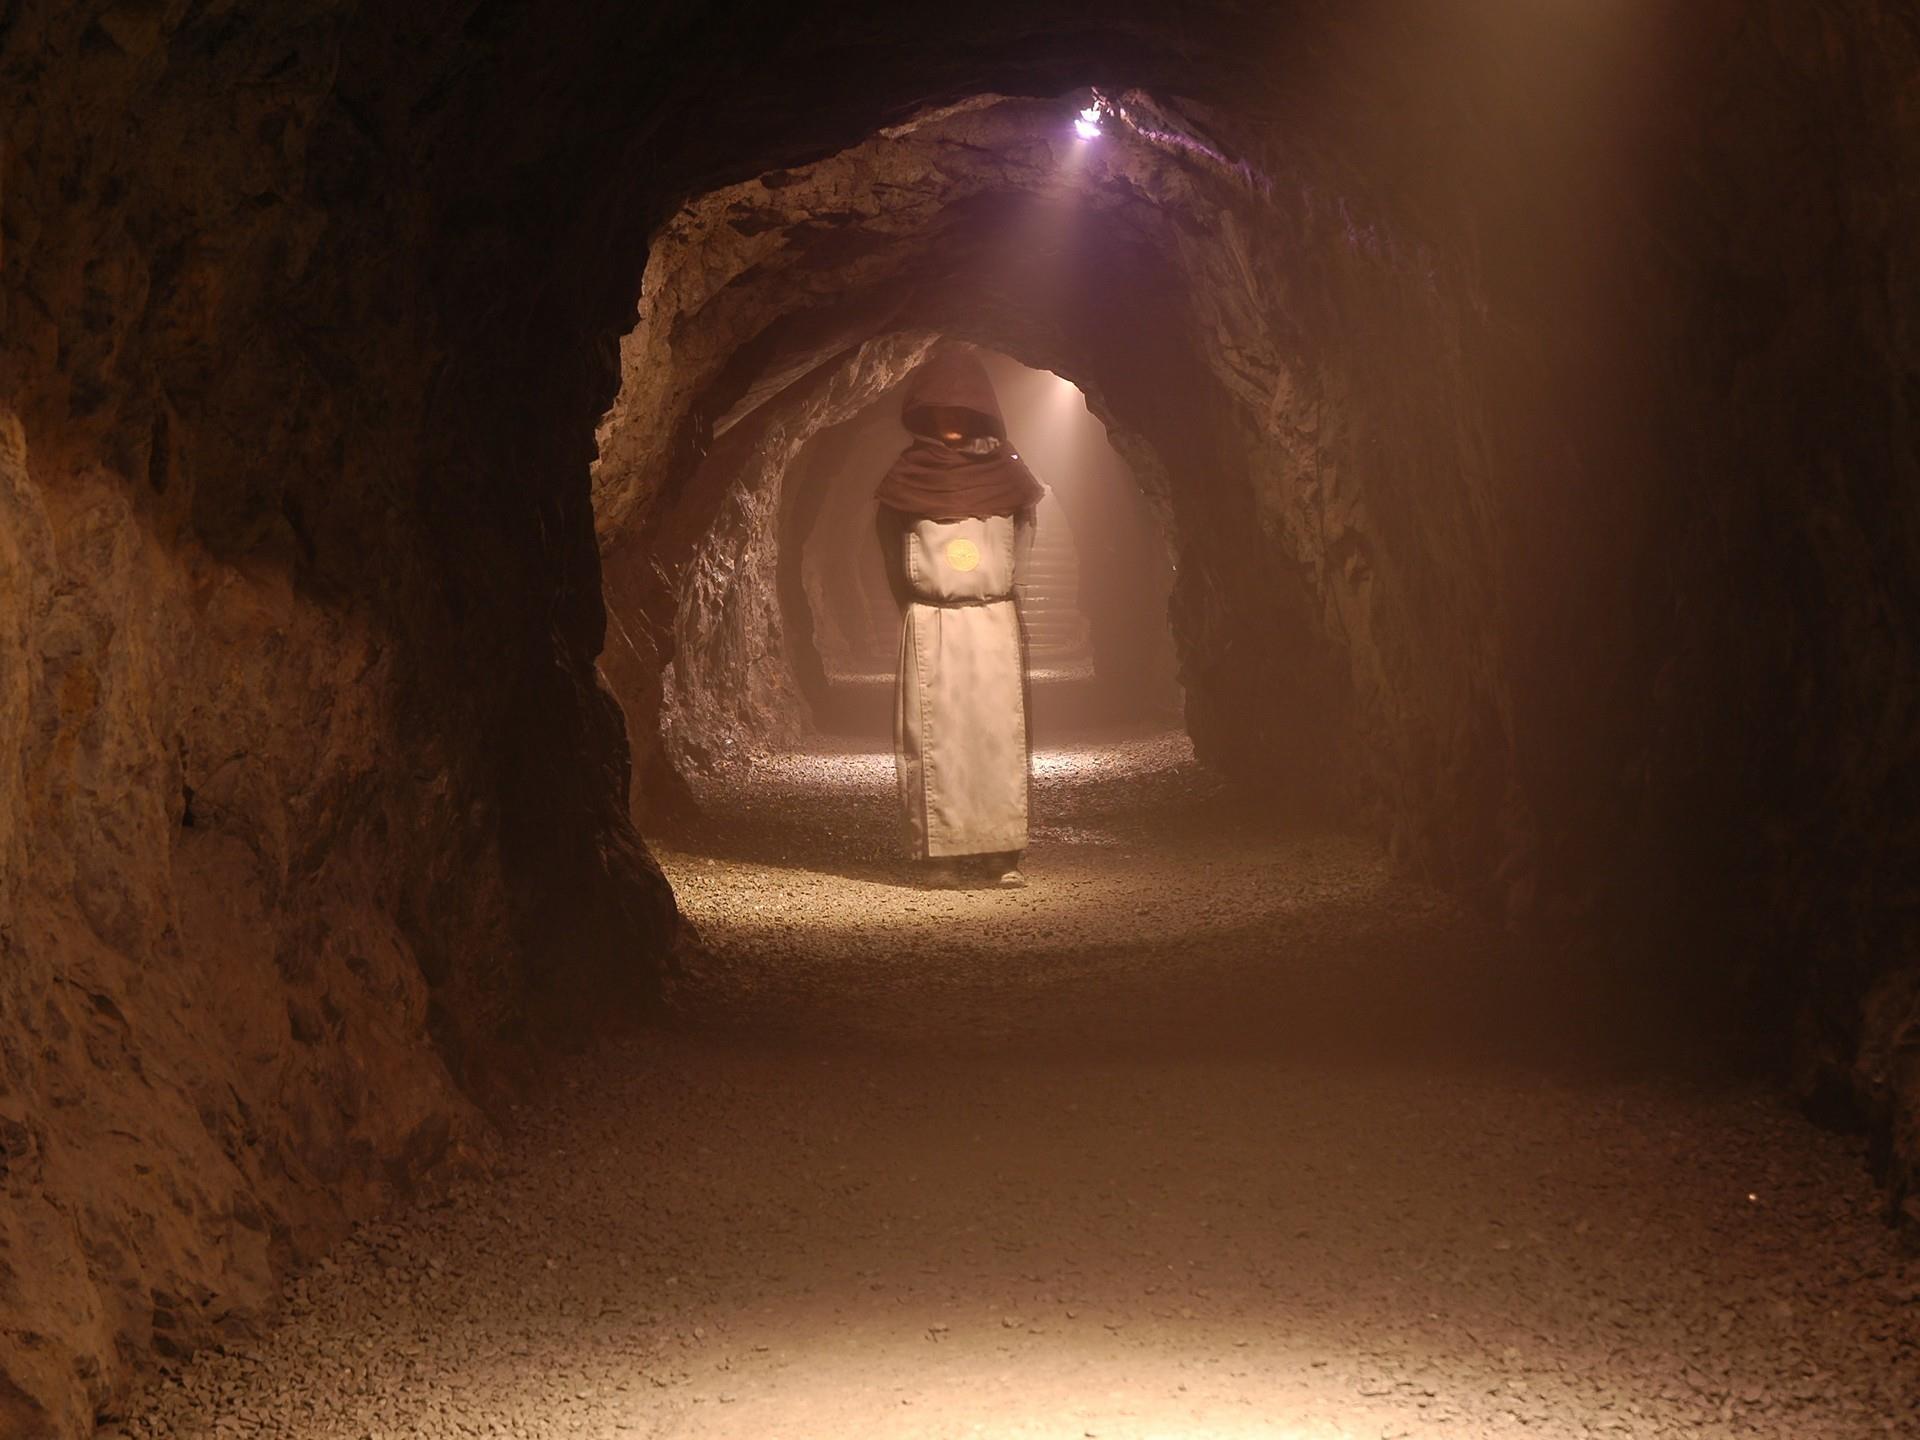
<point x="217" y="1008"/>
<point x="1219" y="1127"/>
<point x="309" y="816"/>
<point x="702" y="585"/>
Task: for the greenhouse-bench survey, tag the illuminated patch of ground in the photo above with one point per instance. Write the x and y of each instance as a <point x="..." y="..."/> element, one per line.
<point x="1219" y="1130"/>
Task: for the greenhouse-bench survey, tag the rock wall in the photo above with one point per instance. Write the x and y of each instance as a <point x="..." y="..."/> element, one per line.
<point x="218" y="1006"/>
<point x="311" y="809"/>
<point x="1784" y="726"/>
<point x="719" y="582"/>
<point x="834" y="576"/>
<point x="733" y="690"/>
<point x="1250" y="373"/>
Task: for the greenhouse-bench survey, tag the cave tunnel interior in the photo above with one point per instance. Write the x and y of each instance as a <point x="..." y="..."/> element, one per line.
<point x="1094" y="609"/>
<point x="461" y="971"/>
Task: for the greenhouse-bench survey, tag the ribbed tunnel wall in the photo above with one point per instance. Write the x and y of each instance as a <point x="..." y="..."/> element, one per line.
<point x="1531" y="389"/>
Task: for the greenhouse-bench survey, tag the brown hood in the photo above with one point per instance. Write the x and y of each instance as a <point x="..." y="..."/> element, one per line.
<point x="935" y="481"/>
<point x="955" y="380"/>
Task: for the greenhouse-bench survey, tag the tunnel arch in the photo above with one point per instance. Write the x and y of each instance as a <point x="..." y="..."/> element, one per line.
<point x="1020" y="245"/>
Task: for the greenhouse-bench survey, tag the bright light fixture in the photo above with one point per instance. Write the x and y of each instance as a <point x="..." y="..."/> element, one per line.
<point x="1087" y="124"/>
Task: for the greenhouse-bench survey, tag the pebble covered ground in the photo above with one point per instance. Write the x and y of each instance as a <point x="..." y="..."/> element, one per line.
<point x="1217" y="1130"/>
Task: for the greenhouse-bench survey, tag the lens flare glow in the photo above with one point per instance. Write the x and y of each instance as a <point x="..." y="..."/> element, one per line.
<point x="1087" y="124"/>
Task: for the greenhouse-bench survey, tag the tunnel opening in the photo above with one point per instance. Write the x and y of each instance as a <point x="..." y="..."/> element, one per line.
<point x="1093" y="610"/>
<point x="795" y="299"/>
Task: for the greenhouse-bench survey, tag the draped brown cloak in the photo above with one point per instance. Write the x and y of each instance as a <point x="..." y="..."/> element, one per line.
<point x="933" y="480"/>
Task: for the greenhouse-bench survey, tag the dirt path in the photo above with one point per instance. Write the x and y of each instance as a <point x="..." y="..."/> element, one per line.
<point x="1215" y="1131"/>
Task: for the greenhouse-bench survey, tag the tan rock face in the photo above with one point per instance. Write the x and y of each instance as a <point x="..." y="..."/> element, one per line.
<point x="706" y="579"/>
<point x="281" y="892"/>
<point x="1532" y="423"/>
<point x="217" y="1028"/>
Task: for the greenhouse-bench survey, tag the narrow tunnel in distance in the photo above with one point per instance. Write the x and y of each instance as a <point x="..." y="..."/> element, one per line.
<point x="1094" y="608"/>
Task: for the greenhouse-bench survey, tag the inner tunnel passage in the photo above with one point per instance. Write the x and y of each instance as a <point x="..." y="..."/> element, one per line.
<point x="1094" y="593"/>
<point x="1216" y="1130"/>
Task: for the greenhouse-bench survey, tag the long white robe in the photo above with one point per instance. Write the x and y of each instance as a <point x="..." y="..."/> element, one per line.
<point x="960" y="718"/>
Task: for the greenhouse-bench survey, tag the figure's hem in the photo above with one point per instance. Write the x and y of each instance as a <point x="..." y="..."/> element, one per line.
<point x="1000" y="844"/>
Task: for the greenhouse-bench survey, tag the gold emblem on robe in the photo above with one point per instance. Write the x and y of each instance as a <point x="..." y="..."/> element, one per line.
<point x="963" y="554"/>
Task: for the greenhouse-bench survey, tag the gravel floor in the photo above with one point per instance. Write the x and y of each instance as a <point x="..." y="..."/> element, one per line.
<point x="1217" y="1130"/>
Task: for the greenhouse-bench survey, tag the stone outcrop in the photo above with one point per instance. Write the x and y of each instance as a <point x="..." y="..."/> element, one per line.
<point x="732" y="687"/>
<point x="310" y="823"/>
<point x="1529" y="388"/>
<point x="218" y="1005"/>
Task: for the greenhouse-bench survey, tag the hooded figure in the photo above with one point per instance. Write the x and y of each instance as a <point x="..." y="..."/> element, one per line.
<point x="955" y="520"/>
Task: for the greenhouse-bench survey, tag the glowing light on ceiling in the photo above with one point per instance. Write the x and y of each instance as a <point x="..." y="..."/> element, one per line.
<point x="1087" y="123"/>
